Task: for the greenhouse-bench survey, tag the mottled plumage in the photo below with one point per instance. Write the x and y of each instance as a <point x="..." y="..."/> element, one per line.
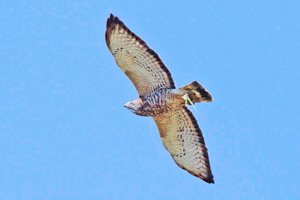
<point x="158" y="98"/>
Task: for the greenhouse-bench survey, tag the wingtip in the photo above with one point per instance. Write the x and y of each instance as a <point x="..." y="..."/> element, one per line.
<point x="110" y="26"/>
<point x="112" y="21"/>
<point x="210" y="181"/>
<point x="210" y="178"/>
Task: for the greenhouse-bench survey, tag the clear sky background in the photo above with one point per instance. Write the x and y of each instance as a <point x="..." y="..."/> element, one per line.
<point x="64" y="133"/>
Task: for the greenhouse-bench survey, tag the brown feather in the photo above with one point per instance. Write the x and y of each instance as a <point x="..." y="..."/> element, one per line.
<point x="135" y="57"/>
<point x="184" y="140"/>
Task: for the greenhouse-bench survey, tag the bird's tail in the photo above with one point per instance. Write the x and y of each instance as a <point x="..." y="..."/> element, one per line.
<point x="194" y="92"/>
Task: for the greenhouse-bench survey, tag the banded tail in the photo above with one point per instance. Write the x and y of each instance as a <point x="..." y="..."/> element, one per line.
<point x="195" y="91"/>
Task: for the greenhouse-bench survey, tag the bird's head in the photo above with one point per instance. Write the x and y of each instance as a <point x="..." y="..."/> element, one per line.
<point x="134" y="106"/>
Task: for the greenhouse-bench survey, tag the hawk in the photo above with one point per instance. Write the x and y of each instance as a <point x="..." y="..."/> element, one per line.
<point x="159" y="98"/>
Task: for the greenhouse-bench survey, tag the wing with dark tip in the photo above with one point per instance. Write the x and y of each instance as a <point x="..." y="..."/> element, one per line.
<point x="183" y="138"/>
<point x="140" y="63"/>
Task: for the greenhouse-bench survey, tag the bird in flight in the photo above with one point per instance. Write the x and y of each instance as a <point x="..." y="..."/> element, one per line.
<point x="159" y="98"/>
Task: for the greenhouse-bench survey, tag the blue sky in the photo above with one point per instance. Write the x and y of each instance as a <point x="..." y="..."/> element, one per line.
<point x="64" y="131"/>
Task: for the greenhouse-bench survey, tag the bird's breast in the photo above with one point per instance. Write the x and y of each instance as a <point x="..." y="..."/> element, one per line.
<point x="157" y="103"/>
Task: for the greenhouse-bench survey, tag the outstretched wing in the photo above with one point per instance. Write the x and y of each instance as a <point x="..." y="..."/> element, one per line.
<point x="140" y="63"/>
<point x="183" y="138"/>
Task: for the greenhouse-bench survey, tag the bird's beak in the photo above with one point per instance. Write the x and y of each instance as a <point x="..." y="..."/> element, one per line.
<point x="126" y="105"/>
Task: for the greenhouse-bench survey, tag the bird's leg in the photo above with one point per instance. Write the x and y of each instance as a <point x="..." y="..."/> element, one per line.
<point x="187" y="99"/>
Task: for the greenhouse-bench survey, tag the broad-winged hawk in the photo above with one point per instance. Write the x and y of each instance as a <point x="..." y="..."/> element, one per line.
<point x="159" y="98"/>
